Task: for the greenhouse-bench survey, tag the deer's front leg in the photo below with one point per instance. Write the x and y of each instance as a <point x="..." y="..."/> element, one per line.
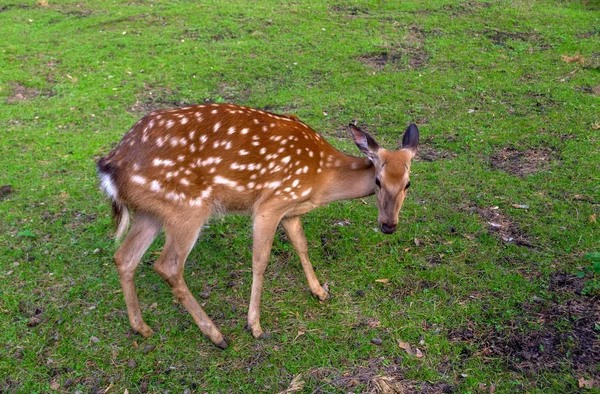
<point x="293" y="228"/>
<point x="262" y="239"/>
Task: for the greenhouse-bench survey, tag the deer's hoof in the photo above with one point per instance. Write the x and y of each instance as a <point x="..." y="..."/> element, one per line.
<point x="264" y="336"/>
<point x="323" y="295"/>
<point x="146" y="331"/>
<point x="222" y="345"/>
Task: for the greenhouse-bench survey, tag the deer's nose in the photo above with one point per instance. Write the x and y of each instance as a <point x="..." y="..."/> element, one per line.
<point x="388" y="228"/>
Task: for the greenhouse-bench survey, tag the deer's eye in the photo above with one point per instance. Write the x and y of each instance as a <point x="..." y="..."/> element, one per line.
<point x="377" y="182"/>
<point x="407" y="186"/>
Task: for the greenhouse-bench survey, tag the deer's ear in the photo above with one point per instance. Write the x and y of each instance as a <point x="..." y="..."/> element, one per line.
<point x="366" y="144"/>
<point x="410" y="140"/>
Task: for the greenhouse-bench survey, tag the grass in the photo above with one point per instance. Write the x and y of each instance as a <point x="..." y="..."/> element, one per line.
<point x="506" y="95"/>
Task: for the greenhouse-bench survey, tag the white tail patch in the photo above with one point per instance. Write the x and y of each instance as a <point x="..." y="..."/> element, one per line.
<point x="107" y="184"/>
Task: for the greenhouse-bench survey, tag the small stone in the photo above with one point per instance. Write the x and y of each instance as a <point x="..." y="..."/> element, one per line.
<point x="131" y="363"/>
<point x="376" y="341"/>
<point x="94" y="339"/>
<point x="149" y="348"/>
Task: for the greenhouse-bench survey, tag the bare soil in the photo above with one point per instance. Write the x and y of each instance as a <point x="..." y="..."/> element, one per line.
<point x="522" y="162"/>
<point x="375" y="377"/>
<point x="409" y="53"/>
<point x="502" y="227"/>
<point x="430" y="154"/>
<point x="548" y="335"/>
<point x="20" y="92"/>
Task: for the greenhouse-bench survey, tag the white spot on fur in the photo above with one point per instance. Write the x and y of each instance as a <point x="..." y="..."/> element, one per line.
<point x="166" y="163"/>
<point x="272" y="185"/>
<point x="219" y="180"/>
<point x="155" y="186"/>
<point x="196" y="202"/>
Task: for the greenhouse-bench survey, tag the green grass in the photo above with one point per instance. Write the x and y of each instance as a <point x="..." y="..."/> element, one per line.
<point x="504" y="120"/>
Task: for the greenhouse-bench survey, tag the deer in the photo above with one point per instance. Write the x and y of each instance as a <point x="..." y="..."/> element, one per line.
<point x="175" y="168"/>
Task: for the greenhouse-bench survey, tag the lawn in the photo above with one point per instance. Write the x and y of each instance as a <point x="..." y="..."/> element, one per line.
<point x="483" y="289"/>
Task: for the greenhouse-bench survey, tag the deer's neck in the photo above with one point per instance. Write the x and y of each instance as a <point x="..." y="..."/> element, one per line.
<point x="354" y="177"/>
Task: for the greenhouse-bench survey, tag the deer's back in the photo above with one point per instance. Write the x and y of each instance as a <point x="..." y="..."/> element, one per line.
<point x="220" y="154"/>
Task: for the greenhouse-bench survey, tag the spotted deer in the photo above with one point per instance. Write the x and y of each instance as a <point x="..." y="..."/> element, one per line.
<point x="175" y="168"/>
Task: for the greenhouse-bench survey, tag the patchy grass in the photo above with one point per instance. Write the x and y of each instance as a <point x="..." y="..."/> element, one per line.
<point x="481" y="278"/>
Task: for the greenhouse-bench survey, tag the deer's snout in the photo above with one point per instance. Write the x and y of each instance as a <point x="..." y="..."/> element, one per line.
<point x="388" y="228"/>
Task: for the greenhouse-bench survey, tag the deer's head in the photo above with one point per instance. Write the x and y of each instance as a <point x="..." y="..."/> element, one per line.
<point x="392" y="170"/>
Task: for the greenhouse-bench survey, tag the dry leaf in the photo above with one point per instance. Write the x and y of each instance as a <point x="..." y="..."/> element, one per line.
<point x="382" y="280"/>
<point x="492" y="388"/>
<point x="583" y="383"/>
<point x="126" y="391"/>
<point x="573" y="59"/>
<point x="520" y="206"/>
<point x="418" y="353"/>
<point x="593" y="218"/>
<point x="417" y="242"/>
<point x="54" y="385"/>
<point x="406" y="347"/>
<point x="481" y="386"/>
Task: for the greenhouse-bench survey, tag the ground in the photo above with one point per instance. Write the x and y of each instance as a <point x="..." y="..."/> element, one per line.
<point x="483" y="289"/>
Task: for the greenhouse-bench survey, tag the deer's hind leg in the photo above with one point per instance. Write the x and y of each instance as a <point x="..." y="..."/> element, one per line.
<point x="181" y="234"/>
<point x="143" y="231"/>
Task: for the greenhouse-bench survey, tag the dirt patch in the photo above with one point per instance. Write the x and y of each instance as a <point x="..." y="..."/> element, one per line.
<point x="231" y="93"/>
<point x="503" y="38"/>
<point x="567" y="335"/>
<point x="8" y="7"/>
<point x="76" y="10"/>
<point x="546" y="336"/>
<point x="502" y="227"/>
<point x="466" y="8"/>
<point x="350" y="11"/>
<point x="375" y="377"/>
<point x="522" y="162"/>
<point x="589" y="34"/>
<point x="595" y="90"/>
<point x="428" y="153"/>
<point x="153" y="99"/>
<point x="564" y="283"/>
<point x="20" y="93"/>
<point x="409" y="53"/>
<point x="378" y="60"/>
